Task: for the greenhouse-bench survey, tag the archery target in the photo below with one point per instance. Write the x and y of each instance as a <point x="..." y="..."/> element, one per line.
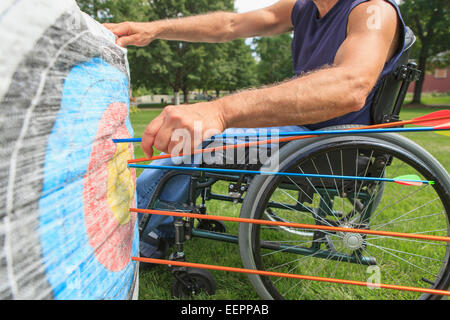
<point x="65" y="227"/>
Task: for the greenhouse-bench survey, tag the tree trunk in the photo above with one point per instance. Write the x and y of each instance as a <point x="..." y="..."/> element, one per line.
<point x="419" y="83"/>
<point x="177" y="87"/>
<point x="186" y="95"/>
<point x="176" y="98"/>
<point x="217" y="93"/>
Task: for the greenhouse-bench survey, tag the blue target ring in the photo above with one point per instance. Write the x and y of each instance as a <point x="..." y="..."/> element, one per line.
<point x="72" y="268"/>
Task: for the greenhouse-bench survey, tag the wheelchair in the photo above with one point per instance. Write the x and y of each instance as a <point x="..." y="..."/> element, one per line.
<point x="339" y="202"/>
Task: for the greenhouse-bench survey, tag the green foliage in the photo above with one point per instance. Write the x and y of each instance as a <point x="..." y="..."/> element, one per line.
<point x="276" y="58"/>
<point x="182" y="66"/>
<point x="430" y="21"/>
<point x="95" y="8"/>
<point x="114" y="10"/>
<point x="166" y="66"/>
<point x="440" y="61"/>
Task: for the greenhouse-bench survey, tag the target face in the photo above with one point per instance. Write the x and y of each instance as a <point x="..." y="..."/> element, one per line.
<point x="100" y="188"/>
<point x="65" y="189"/>
<point x="107" y="204"/>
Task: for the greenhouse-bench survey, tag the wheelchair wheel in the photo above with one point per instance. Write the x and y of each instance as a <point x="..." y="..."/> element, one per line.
<point x="350" y="204"/>
<point x="193" y="282"/>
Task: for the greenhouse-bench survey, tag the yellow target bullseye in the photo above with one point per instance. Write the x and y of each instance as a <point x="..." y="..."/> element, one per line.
<point x="120" y="189"/>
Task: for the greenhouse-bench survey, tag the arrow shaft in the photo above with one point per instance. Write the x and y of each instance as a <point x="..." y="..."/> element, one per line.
<point x="295" y="138"/>
<point x="292" y="276"/>
<point x="332" y="132"/>
<point x="307" y="133"/>
<point x="294" y="225"/>
<point x="286" y="174"/>
<point x="132" y="140"/>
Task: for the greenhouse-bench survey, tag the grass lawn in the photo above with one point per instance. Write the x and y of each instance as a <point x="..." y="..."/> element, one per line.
<point x="155" y="284"/>
<point x="442" y="100"/>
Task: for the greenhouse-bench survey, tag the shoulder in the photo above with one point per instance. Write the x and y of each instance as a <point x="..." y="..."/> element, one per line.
<point x="373" y="15"/>
<point x="300" y="7"/>
<point x="383" y="9"/>
<point x="379" y="22"/>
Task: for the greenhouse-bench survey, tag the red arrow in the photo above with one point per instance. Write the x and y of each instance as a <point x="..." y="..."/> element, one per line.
<point x="433" y="119"/>
<point x="438" y="118"/>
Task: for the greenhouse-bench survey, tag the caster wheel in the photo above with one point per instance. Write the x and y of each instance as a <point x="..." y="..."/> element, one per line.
<point x="212" y="225"/>
<point x="193" y="282"/>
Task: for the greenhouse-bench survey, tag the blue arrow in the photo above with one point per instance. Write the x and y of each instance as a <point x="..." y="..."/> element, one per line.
<point x="127" y="140"/>
<point x="309" y="133"/>
<point x="287" y="174"/>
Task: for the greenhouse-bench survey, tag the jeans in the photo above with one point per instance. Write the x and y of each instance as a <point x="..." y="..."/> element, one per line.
<point x="177" y="188"/>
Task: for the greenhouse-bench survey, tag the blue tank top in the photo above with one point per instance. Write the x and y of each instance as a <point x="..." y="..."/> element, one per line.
<point x="317" y="40"/>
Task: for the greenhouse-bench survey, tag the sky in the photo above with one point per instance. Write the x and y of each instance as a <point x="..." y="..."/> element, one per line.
<point x="249" y="5"/>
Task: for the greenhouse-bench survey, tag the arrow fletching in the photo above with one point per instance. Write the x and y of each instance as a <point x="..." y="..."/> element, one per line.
<point x="433" y="119"/>
<point x="410" y="180"/>
<point x="441" y="128"/>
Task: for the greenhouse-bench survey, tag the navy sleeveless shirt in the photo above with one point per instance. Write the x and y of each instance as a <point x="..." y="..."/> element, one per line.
<point x="317" y="40"/>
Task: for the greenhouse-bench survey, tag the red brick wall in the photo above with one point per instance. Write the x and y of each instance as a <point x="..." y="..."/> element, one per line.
<point x="433" y="84"/>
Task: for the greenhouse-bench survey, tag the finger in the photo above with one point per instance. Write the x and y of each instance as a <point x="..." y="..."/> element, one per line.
<point x="127" y="41"/>
<point x="177" y="146"/>
<point x="151" y="131"/>
<point x="110" y="27"/>
<point x="163" y="139"/>
<point x="119" y="29"/>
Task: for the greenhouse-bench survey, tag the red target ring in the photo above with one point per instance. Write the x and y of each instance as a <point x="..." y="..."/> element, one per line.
<point x="108" y="193"/>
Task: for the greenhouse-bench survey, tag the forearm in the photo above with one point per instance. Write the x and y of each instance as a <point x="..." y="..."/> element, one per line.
<point x="226" y="26"/>
<point x="212" y="27"/>
<point x="316" y="97"/>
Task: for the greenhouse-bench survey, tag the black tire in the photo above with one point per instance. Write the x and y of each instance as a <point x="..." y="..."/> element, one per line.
<point x="212" y="225"/>
<point x="193" y="282"/>
<point x="433" y="258"/>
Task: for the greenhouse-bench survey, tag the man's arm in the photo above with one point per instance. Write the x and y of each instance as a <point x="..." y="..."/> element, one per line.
<point x="319" y="96"/>
<point x="213" y="27"/>
<point x="332" y="91"/>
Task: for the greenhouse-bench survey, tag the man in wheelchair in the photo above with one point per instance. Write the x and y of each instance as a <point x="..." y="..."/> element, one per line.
<point x="342" y="49"/>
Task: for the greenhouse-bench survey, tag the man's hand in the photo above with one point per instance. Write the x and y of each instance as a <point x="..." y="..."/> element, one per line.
<point x="212" y="27"/>
<point x="181" y="129"/>
<point x="133" y="33"/>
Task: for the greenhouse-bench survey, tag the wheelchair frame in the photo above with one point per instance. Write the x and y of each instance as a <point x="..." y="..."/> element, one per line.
<point x="386" y="108"/>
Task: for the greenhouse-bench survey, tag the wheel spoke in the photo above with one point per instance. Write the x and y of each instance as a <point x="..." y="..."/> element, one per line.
<point x="375" y="206"/>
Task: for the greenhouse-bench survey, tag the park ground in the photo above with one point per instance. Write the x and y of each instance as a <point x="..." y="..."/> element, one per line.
<point x="155" y="283"/>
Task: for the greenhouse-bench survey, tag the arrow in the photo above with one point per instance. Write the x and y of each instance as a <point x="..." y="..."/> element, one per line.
<point x="295" y="225"/>
<point x="438" y="129"/>
<point x="433" y="119"/>
<point x="291" y="276"/>
<point x="409" y="180"/>
<point x="333" y="132"/>
<point x="132" y="140"/>
<point x="414" y="181"/>
<point x="436" y="119"/>
<point x="443" y="129"/>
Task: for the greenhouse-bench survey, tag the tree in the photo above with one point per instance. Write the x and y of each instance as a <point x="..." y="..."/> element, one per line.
<point x="275" y="58"/>
<point x="174" y="64"/>
<point x="114" y="10"/>
<point x="216" y="70"/>
<point x="430" y="21"/>
<point x="242" y="65"/>
<point x="228" y="66"/>
<point x="97" y="9"/>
